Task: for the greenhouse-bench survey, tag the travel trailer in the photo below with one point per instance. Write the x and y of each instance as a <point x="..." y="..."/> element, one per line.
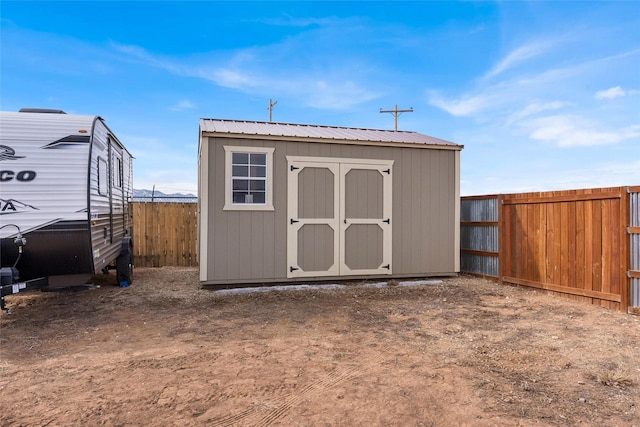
<point x="65" y="187"/>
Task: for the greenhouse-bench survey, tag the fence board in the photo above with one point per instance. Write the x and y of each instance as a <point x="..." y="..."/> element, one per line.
<point x="164" y="234"/>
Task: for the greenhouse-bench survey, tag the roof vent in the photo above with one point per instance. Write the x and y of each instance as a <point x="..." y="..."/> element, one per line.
<point x="41" y="110"/>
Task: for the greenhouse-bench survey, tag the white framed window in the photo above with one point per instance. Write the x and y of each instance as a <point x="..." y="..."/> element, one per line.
<point x="248" y="178"/>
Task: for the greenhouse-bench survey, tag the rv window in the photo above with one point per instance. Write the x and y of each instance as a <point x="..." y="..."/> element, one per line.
<point x="117" y="173"/>
<point x="103" y="187"/>
<point x="248" y="178"/>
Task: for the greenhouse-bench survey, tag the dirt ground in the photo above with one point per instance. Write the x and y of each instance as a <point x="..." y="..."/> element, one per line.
<point x="464" y="352"/>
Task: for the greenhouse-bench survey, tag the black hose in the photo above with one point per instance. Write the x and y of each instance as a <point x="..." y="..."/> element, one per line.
<point x="19" y="240"/>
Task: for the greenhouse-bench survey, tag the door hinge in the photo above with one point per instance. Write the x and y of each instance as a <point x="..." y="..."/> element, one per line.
<point x="387" y="171"/>
<point x="388" y="220"/>
<point x="293" y="221"/>
<point x="292" y="269"/>
<point x="388" y="266"/>
<point x="294" y="168"/>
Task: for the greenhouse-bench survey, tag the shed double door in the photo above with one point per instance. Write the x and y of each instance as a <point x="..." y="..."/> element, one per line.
<point x="339" y="213"/>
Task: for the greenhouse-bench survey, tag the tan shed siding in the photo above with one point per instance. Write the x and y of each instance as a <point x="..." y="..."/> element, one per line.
<point x="424" y="202"/>
<point x="251" y="246"/>
<point x="242" y="244"/>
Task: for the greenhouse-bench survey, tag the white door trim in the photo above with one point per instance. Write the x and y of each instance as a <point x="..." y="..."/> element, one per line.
<point x="295" y="223"/>
<point x="384" y="168"/>
<point x="339" y="167"/>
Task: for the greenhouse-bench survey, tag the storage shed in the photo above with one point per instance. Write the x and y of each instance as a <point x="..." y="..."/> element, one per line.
<point x="281" y="202"/>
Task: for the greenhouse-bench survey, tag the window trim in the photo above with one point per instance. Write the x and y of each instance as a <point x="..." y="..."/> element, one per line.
<point x="228" y="193"/>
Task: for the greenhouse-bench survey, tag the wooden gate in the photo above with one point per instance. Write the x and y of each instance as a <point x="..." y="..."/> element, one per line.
<point x="571" y="243"/>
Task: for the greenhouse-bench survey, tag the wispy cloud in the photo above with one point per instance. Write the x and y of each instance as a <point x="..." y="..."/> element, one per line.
<point x="535" y="108"/>
<point x="230" y="78"/>
<point x="510" y="93"/>
<point x="292" y="21"/>
<point x="249" y="72"/>
<point x="339" y="95"/>
<point x="466" y="105"/>
<point x="142" y="56"/>
<point x="522" y="100"/>
<point x="477" y="29"/>
<point x="611" y="93"/>
<point x="518" y="56"/>
<point x="183" y="105"/>
<point x="616" y="92"/>
<point x="575" y="131"/>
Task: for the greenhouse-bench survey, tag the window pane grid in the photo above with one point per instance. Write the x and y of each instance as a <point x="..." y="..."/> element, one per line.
<point x="248" y="178"/>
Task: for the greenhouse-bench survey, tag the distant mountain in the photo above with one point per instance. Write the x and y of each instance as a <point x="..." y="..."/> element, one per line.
<point x="159" y="196"/>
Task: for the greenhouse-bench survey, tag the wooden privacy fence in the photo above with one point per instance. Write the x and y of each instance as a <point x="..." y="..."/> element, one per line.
<point x="583" y="244"/>
<point x="164" y="234"/>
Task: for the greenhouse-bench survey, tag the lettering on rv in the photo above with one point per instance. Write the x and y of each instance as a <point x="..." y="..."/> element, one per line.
<point x="8" y="206"/>
<point x="8" y="153"/>
<point x="22" y="176"/>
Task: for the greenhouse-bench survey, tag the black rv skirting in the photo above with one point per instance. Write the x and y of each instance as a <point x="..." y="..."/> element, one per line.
<point x="58" y="249"/>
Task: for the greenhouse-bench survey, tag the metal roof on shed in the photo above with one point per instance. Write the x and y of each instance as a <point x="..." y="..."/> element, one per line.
<point x="290" y="130"/>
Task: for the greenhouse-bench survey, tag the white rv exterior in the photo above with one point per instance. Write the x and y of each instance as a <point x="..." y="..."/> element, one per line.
<point x="65" y="183"/>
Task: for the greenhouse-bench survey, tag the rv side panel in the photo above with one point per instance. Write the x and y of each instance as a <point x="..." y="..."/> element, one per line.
<point x="43" y="192"/>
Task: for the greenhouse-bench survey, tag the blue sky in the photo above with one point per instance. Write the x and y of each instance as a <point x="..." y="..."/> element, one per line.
<point x="543" y="95"/>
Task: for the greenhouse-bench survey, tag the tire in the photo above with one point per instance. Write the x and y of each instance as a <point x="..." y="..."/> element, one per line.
<point x="124" y="264"/>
